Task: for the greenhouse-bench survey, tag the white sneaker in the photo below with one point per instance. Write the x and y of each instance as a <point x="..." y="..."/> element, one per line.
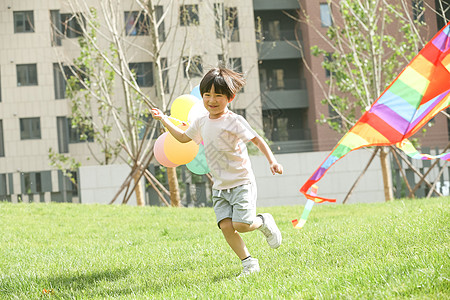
<point x="250" y="266"/>
<point x="270" y="230"/>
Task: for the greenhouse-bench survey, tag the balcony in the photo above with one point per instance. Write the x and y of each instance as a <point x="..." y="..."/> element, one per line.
<point x="269" y="50"/>
<point x="292" y="147"/>
<point x="275" y="4"/>
<point x="299" y="140"/>
<point x="284" y="94"/>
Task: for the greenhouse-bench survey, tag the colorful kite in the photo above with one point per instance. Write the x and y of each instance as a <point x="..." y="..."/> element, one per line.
<point x="418" y="93"/>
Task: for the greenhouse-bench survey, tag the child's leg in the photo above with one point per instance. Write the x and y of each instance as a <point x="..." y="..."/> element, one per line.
<point x="244" y="227"/>
<point x="233" y="238"/>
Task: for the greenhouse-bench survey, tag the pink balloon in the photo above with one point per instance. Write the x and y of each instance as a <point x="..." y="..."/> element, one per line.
<point x="158" y="150"/>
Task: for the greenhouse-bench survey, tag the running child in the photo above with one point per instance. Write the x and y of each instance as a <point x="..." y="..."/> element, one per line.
<point x="224" y="135"/>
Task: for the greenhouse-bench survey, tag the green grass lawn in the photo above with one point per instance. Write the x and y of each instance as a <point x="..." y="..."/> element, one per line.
<point x="364" y="251"/>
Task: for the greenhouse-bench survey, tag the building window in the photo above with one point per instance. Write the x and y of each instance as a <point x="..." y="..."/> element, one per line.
<point x="286" y="124"/>
<point x="68" y="186"/>
<point x="31" y="183"/>
<point x="286" y="74"/>
<point x="143" y="72"/>
<point x="136" y="23"/>
<point x="234" y="63"/>
<point x="2" y="145"/>
<point x="60" y="78"/>
<point x="63" y="129"/>
<point x="3" y="187"/>
<point x="189" y="15"/>
<point x="192" y="66"/>
<point x="23" y="21"/>
<point x="72" y="25"/>
<point x="80" y="133"/>
<point x="159" y="12"/>
<point x="59" y="81"/>
<point x="56" y="28"/>
<point x="442" y="12"/>
<point x="165" y="74"/>
<point x="418" y="11"/>
<point x="26" y="75"/>
<point x="328" y="59"/>
<point x="334" y="116"/>
<point x="325" y="15"/>
<point x="36" y="182"/>
<point x="277" y="25"/>
<point x="227" y="25"/>
<point x="30" y="128"/>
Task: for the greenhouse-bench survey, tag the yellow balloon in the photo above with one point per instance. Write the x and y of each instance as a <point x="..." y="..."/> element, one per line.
<point x="181" y="106"/>
<point x="180" y="153"/>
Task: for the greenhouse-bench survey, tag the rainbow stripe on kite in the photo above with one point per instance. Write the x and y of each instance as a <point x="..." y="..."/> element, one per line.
<point x="418" y="93"/>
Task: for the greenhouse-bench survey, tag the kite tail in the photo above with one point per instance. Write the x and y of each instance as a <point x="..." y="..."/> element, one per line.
<point x="409" y="149"/>
<point x="312" y="196"/>
<point x="308" y="207"/>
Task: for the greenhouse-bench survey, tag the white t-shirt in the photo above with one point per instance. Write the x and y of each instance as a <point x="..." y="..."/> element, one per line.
<point x="225" y="150"/>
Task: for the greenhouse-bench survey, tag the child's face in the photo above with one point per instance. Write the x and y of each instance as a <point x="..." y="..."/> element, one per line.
<point x="215" y="104"/>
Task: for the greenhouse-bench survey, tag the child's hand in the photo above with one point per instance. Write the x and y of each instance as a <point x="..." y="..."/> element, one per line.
<point x="157" y="114"/>
<point x="276" y="168"/>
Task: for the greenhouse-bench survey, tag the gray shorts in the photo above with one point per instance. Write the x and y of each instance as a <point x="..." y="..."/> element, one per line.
<point x="238" y="203"/>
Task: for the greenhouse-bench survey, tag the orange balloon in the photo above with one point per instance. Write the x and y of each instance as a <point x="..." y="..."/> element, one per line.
<point x="180" y="153"/>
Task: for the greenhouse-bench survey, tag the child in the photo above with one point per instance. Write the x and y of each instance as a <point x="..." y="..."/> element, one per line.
<point x="224" y="135"/>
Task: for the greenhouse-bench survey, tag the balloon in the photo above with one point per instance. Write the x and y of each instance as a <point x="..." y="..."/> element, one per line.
<point x="197" y="111"/>
<point x="196" y="92"/>
<point x="181" y="106"/>
<point x="180" y="153"/>
<point x="198" y="165"/>
<point x="158" y="150"/>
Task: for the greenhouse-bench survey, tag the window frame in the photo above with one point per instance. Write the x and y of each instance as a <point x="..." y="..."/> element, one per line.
<point x="325" y="14"/>
<point x="418" y="10"/>
<point x="189" y="15"/>
<point x="26" y="14"/>
<point x="74" y="134"/>
<point x="28" y="74"/>
<point x="226" y="22"/>
<point x="191" y="73"/>
<point x="29" y="130"/>
<point x="2" y="140"/>
<point x="143" y="80"/>
<point x="141" y="25"/>
<point x="70" y="30"/>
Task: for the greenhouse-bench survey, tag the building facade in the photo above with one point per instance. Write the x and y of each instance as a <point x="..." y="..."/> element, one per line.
<point x="281" y="98"/>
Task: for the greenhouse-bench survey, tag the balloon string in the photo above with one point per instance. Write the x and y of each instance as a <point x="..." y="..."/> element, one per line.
<point x="175" y="119"/>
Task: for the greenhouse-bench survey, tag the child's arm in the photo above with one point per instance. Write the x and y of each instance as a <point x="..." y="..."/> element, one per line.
<point x="177" y="133"/>
<point x="275" y="167"/>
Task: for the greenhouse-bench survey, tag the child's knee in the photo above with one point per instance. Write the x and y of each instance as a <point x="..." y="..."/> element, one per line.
<point x="241" y="227"/>
<point x="226" y="225"/>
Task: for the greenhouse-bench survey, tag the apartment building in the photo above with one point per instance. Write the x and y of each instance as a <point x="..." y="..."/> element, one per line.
<point x="291" y="95"/>
<point x="281" y="97"/>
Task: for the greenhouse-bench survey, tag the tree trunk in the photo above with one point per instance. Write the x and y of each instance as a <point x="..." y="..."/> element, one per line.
<point x="173" y="187"/>
<point x="387" y="176"/>
<point x="140" y="199"/>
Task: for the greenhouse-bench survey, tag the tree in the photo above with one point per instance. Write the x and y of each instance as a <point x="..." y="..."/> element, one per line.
<point x="368" y="43"/>
<point x="107" y="93"/>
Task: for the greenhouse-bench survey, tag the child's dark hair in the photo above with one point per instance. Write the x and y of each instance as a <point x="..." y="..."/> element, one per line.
<point x="225" y="82"/>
